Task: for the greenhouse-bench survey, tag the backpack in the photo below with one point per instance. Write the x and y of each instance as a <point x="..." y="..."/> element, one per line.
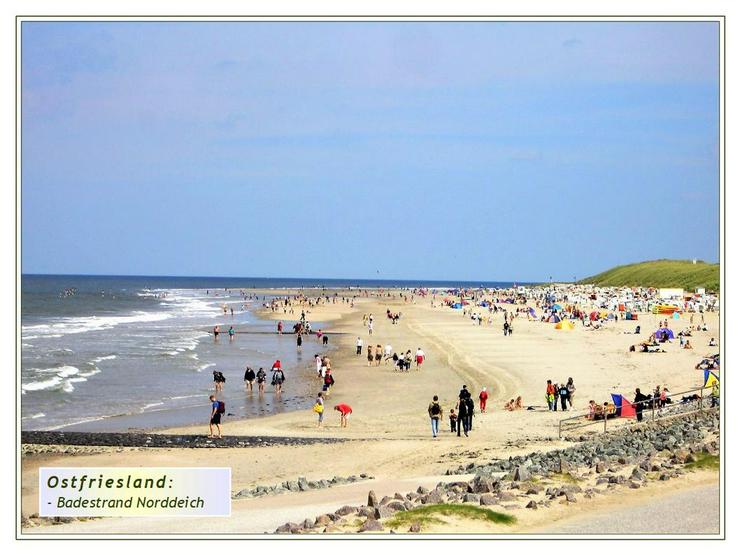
<point x="221" y="407"/>
<point x="435" y="410"/>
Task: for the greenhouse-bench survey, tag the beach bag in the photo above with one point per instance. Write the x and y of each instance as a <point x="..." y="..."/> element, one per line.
<point x="221" y="407"/>
<point x="318" y="408"/>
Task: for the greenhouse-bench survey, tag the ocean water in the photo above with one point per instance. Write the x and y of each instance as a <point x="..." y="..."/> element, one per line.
<point x="117" y="353"/>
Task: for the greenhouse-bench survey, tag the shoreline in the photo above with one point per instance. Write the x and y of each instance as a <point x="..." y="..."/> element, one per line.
<point x="392" y="405"/>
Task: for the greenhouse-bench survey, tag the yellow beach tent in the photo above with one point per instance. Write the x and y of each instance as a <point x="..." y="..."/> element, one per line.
<point x="564" y="325"/>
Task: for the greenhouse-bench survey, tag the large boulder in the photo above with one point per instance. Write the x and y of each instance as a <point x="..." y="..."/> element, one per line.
<point x="371" y="525"/>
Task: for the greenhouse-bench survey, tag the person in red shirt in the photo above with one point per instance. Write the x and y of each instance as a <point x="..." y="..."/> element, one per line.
<point x="483" y="397"/>
<point x="344" y="412"/>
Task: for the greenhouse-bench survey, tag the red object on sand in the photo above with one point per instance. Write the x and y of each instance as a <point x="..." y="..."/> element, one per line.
<point x="343" y="408"/>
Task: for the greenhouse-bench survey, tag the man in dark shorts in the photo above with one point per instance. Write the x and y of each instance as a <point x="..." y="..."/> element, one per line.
<point x="215" y="417"/>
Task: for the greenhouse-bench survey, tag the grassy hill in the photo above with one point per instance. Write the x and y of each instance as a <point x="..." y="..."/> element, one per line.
<point x="661" y="273"/>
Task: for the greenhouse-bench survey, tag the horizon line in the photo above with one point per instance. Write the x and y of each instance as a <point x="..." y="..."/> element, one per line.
<point x="524" y="282"/>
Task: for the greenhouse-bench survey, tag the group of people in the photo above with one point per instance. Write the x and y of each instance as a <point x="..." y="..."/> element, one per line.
<point x="343" y="409"/>
<point x="278" y="378"/>
<point x="562" y="393"/>
<point x="401" y="362"/>
<point x="461" y="416"/>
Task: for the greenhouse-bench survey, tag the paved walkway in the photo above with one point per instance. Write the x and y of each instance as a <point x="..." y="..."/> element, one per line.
<point x="689" y="511"/>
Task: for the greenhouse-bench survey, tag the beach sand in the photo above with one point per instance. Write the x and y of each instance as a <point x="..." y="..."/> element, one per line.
<point x="389" y="427"/>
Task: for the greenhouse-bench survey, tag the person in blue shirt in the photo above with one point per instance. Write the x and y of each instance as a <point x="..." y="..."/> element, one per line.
<point x="215" y="417"/>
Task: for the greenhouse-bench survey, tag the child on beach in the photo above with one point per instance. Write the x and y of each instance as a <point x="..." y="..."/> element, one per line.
<point x="453" y="421"/>
<point x="482" y="398"/>
<point x="550" y="396"/>
<point x="318" y="408"/>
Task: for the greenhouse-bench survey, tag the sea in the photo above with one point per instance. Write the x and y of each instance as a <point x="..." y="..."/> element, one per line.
<point x="118" y="353"/>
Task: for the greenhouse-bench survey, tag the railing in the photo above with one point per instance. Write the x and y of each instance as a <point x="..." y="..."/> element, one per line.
<point x="685" y="403"/>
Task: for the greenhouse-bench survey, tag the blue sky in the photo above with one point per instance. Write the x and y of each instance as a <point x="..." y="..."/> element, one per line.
<point x="471" y="151"/>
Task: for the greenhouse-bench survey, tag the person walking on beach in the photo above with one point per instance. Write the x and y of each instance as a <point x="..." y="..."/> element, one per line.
<point x="280" y="327"/>
<point x="217" y="409"/>
<point x="218" y="380"/>
<point x="299" y="340"/>
<point x="318" y="408"/>
<point x="370" y="356"/>
<point x="231" y="333"/>
<point x="249" y="376"/>
<point x="482" y="398"/>
<point x="571" y="392"/>
<point x="358" y="344"/>
<point x="318" y="361"/>
<point x="462" y="416"/>
<point x="216" y="331"/>
<point x="453" y="421"/>
<point x="563" y="393"/>
<point x="556" y="396"/>
<point x="277" y="380"/>
<point x="370" y="327"/>
<point x="419" y="358"/>
<point x="407" y="360"/>
<point x="435" y="413"/>
<point x="344" y="411"/>
<point x="328" y="381"/>
<point x="550" y="393"/>
<point x="261" y="379"/>
<point x="378" y="354"/>
<point x="470" y="404"/>
<point x="639" y="403"/>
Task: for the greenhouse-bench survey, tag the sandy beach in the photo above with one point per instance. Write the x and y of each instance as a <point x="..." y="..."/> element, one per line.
<point x="389" y="430"/>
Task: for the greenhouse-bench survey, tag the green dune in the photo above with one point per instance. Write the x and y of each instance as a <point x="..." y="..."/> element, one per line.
<point x="660" y="273"/>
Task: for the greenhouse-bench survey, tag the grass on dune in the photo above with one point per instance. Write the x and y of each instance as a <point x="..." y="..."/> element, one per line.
<point x="704" y="461"/>
<point x="429" y="514"/>
<point x="660" y="273"/>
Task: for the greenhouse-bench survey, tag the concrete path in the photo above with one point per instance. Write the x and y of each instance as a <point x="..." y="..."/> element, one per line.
<point x="689" y="511"/>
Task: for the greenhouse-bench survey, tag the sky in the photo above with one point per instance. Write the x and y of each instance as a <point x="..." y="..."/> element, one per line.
<point x="392" y="150"/>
